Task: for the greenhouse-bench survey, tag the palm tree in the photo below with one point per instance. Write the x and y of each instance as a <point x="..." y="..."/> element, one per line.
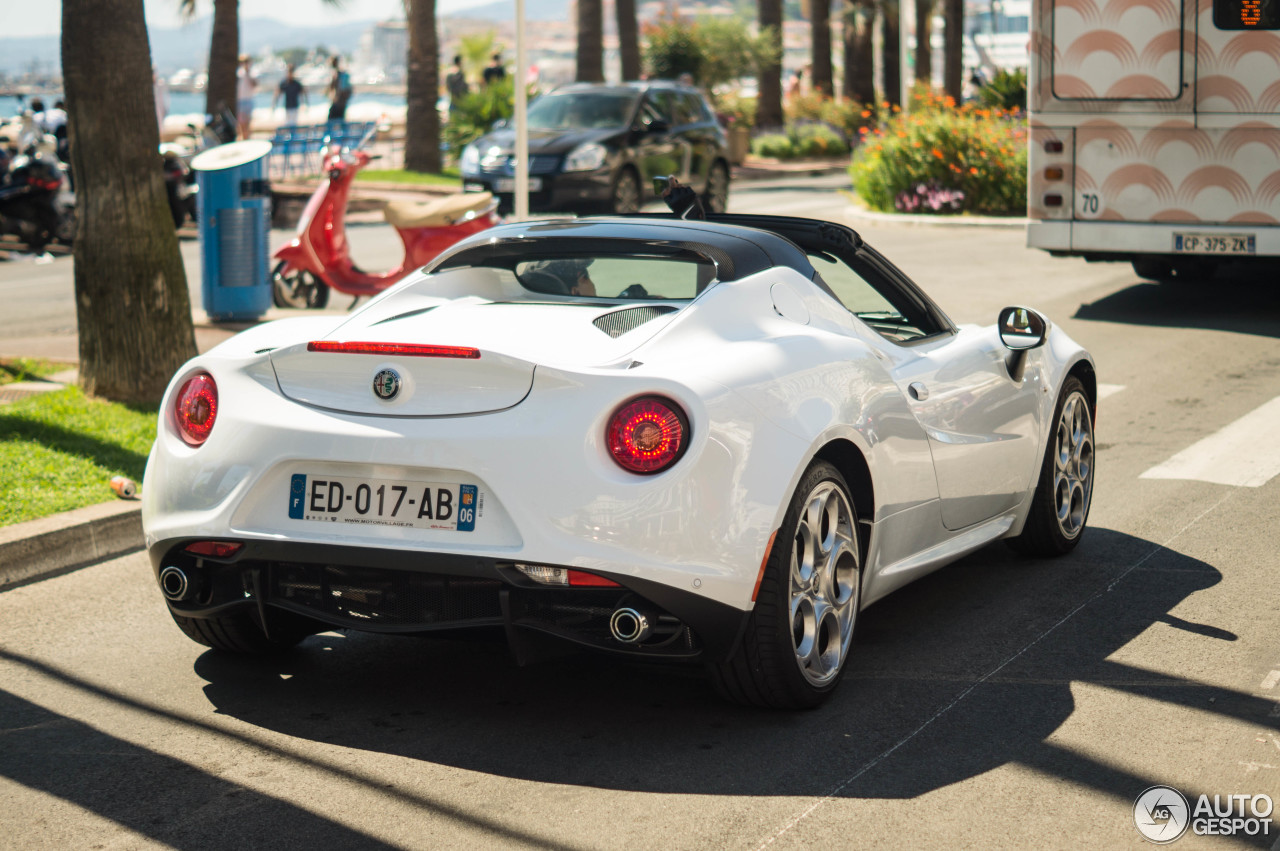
<point x="891" y="50"/>
<point x="924" y="45"/>
<point x="132" y="307"/>
<point x="953" y="48"/>
<point x="859" y="71"/>
<point x="422" y="120"/>
<point x="224" y="53"/>
<point x="628" y="38"/>
<point x="820" y="44"/>
<point x="590" y="42"/>
<point x="769" y="99"/>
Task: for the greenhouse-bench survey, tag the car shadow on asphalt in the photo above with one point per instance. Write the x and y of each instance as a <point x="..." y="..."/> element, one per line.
<point x="964" y="671"/>
<point x="1246" y="303"/>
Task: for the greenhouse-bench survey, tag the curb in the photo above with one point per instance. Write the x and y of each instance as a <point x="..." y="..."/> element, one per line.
<point x="860" y="214"/>
<point x="42" y="548"/>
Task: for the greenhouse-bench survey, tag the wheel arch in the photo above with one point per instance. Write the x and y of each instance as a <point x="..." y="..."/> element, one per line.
<point x="1083" y="370"/>
<point x="845" y="456"/>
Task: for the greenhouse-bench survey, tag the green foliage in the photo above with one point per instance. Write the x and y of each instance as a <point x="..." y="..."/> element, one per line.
<point x="475" y="114"/>
<point x="1007" y="90"/>
<point x="29" y="369"/>
<point x="801" y="141"/>
<point x="59" y="450"/>
<point x="476" y="49"/>
<point x="714" y="51"/>
<point x="845" y="116"/>
<point x="980" y="152"/>
<point x="736" y="109"/>
<point x="447" y="177"/>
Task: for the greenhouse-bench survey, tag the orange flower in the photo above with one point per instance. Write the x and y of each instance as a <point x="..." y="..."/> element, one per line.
<point x="866" y="113"/>
<point x="950" y="102"/>
<point x="972" y="170"/>
<point x="937" y="153"/>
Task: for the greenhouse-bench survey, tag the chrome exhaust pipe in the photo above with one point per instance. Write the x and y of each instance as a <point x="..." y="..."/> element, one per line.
<point x="174" y="584"/>
<point x="630" y="626"/>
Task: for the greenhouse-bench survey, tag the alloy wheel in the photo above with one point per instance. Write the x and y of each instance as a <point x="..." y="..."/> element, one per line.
<point x="1073" y="465"/>
<point x="824" y="581"/>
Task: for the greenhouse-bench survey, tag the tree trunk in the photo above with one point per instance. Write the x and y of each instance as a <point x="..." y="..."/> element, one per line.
<point x="891" y="51"/>
<point x="422" y="121"/>
<point x="859" y="65"/>
<point x="953" y="48"/>
<point x="820" y="37"/>
<point x="590" y="41"/>
<point x="132" y="306"/>
<point x="769" y="99"/>
<point x="224" y="56"/>
<point x="628" y="38"/>
<point x="924" y="44"/>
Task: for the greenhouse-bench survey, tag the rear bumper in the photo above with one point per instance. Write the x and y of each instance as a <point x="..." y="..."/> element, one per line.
<point x="1127" y="240"/>
<point x="411" y="592"/>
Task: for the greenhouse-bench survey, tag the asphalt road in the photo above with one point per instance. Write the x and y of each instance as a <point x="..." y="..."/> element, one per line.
<point x="999" y="703"/>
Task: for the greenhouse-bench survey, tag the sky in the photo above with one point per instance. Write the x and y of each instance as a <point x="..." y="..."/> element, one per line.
<point x="45" y="18"/>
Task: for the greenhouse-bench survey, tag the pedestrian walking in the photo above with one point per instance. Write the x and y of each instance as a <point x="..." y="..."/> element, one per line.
<point x="293" y="91"/>
<point x="246" y="86"/>
<point x="494" y="71"/>
<point x="456" y="84"/>
<point x="340" y="89"/>
<point x="160" y="90"/>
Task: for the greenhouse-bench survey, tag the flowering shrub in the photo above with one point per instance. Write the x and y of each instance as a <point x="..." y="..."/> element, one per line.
<point x="977" y="154"/>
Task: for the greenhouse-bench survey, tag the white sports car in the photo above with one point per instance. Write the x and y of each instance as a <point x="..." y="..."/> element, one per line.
<point x="696" y="441"/>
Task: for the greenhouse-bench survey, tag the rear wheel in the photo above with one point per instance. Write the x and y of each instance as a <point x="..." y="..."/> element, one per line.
<point x="240" y="632"/>
<point x="1064" y="492"/>
<point x="800" y="632"/>
<point x="298" y="288"/>
<point x="716" y="198"/>
<point x="626" y="192"/>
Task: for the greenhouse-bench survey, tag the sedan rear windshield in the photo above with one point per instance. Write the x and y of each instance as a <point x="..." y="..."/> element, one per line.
<point x="582" y="110"/>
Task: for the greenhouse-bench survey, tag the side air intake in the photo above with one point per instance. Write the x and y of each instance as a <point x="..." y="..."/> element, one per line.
<point x="621" y="321"/>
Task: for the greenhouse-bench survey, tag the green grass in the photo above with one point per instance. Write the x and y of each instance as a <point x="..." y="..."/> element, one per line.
<point x="29" y="369"/>
<point x="59" y="450"/>
<point x="448" y="177"/>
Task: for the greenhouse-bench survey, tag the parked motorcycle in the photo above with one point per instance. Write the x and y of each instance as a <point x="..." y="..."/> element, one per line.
<point x="179" y="180"/>
<point x="34" y="202"/>
<point x="319" y="259"/>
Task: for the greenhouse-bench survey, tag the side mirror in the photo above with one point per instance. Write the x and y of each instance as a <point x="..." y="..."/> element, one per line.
<point x="501" y="124"/>
<point x="1021" y="328"/>
<point x="657" y="125"/>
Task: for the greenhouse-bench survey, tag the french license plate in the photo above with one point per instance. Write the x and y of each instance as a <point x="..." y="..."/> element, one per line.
<point x="1214" y="243"/>
<point x="508" y="184"/>
<point x="385" y="502"/>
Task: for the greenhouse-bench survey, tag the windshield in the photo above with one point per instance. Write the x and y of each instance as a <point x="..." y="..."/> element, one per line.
<point x="582" y="110"/>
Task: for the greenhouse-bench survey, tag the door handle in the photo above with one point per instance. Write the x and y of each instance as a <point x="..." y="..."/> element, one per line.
<point x="918" y="391"/>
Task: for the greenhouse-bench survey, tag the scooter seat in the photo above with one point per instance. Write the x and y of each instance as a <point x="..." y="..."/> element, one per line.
<point x="441" y="212"/>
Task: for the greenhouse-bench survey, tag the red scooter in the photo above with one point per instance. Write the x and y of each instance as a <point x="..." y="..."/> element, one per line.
<point x="319" y="258"/>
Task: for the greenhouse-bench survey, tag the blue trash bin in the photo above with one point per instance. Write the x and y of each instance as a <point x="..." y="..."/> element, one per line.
<point x="235" y="222"/>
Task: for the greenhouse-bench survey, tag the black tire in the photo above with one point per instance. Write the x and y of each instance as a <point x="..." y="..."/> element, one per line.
<point x="1153" y="268"/>
<point x="766" y="669"/>
<point x="625" y="197"/>
<point x="716" y="198"/>
<point x="1044" y="533"/>
<point x="299" y="289"/>
<point x="239" y="632"/>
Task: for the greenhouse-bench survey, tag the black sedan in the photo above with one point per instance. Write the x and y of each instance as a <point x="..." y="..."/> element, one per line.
<point x="593" y="146"/>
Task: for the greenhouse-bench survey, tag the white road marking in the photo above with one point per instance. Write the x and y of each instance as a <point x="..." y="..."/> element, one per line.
<point x="1105" y="390"/>
<point x="867" y="766"/>
<point x="1269" y="682"/>
<point x="1244" y="453"/>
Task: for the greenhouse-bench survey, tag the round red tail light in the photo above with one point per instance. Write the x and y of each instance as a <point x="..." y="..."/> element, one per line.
<point x="196" y="408"/>
<point x="648" y="435"/>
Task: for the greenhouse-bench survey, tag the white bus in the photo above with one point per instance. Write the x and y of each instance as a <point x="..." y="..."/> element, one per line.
<point x="1155" y="132"/>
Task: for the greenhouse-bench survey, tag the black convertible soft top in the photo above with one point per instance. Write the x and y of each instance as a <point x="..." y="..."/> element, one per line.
<point x="738" y="245"/>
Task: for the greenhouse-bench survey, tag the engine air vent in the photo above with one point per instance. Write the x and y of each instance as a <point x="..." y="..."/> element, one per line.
<point x="619" y="322"/>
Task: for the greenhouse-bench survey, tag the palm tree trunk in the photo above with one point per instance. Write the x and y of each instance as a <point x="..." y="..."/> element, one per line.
<point x="953" y="48"/>
<point x="859" y="65"/>
<point x="590" y="41"/>
<point x="422" y="121"/>
<point x="132" y="307"/>
<point x="924" y="45"/>
<point x="891" y="51"/>
<point x="628" y="38"/>
<point x="820" y="38"/>
<point x="769" y="99"/>
<point x="224" y="53"/>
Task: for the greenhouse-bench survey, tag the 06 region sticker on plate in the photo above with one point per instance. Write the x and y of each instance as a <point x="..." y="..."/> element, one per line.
<point x="385" y="502"/>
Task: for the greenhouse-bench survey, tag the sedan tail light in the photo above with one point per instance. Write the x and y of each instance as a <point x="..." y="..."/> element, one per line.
<point x="648" y="435"/>
<point x="196" y="408"/>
